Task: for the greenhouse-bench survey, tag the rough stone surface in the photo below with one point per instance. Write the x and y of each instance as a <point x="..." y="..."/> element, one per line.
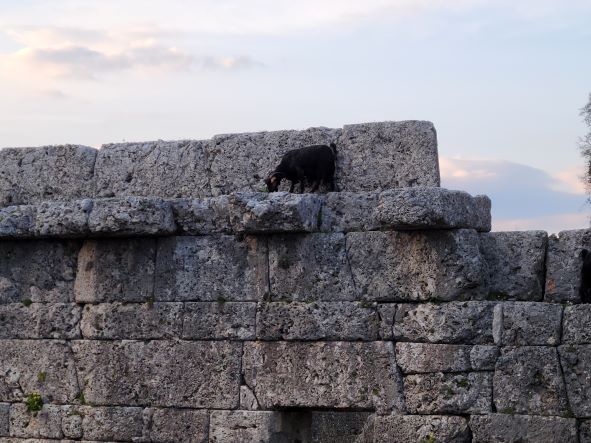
<point x="455" y="322"/>
<point x="137" y="321"/>
<point x="168" y="169"/>
<point x="212" y="268"/>
<point x="164" y="373"/>
<point x="341" y="427"/>
<point x="38" y="271"/>
<point x="240" y="162"/>
<point x="324" y="375"/>
<point x="564" y="265"/>
<point x="63" y="219"/>
<point x="39" y="320"/>
<point x="4" y="419"/>
<point x="386" y="314"/>
<point x="585" y="431"/>
<point x="46" y="423"/>
<point x="131" y="216"/>
<point x="204" y="216"/>
<point x="576" y="364"/>
<point x="248" y="401"/>
<point x="31" y="175"/>
<point x="112" y="424"/>
<point x="503" y="428"/>
<point x="317" y="321"/>
<point x="179" y="425"/>
<point x="426" y="357"/>
<point x="116" y="270"/>
<point x="312" y="267"/>
<point x="528" y="380"/>
<point x="413" y="266"/>
<point x="219" y="320"/>
<point x="577" y="324"/>
<point x="387" y="155"/>
<point x="348" y="211"/>
<point x="43" y="366"/>
<point x="438" y="393"/>
<point x="426" y="428"/>
<point x="516" y="261"/>
<point x="525" y="324"/>
<point x="275" y="212"/>
<point x="17" y="221"/>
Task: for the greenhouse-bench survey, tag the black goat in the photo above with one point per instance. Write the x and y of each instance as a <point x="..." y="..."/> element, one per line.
<point x="313" y="163"/>
<point x="585" y="289"/>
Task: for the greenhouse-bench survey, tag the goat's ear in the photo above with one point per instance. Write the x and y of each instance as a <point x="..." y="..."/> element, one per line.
<point x="584" y="253"/>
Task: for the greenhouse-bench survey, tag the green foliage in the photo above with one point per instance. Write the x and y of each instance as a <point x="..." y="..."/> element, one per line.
<point x="80" y="398"/>
<point x="27" y="302"/>
<point x="34" y="402"/>
<point x="41" y="376"/>
<point x="429" y="439"/>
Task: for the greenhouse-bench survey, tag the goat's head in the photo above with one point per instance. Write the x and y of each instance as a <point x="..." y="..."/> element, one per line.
<point x="273" y="181"/>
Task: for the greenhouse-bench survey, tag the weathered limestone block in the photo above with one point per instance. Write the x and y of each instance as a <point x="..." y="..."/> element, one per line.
<point x="419" y="358"/>
<point x="4" y="419"/>
<point x="39" y="320"/>
<point x="342" y="427"/>
<point x="136" y="321"/>
<point x="516" y="262"/>
<point x="585" y="431"/>
<point x="179" y="425"/>
<point x="219" y="320"/>
<point x="260" y="212"/>
<point x="503" y="428"/>
<point x="576" y="364"/>
<point x="528" y="380"/>
<point x="240" y="162"/>
<point x="116" y="270"/>
<point x="62" y="219"/>
<point x="159" y="373"/>
<point x="248" y="401"/>
<point x="72" y="422"/>
<point x="525" y="323"/>
<point x="203" y="216"/>
<point x="386" y="314"/>
<point x="577" y="324"/>
<point x="17" y="221"/>
<point x="112" y="423"/>
<point x="43" y="366"/>
<point x="564" y="264"/>
<point x="438" y="393"/>
<point x="47" y="423"/>
<point x="31" y="175"/>
<point x="422" y="428"/>
<point x="455" y="322"/>
<point x="317" y="321"/>
<point x="38" y="271"/>
<point x="332" y="375"/>
<point x="211" y="268"/>
<point x="168" y="169"/>
<point x="348" y="211"/>
<point x="387" y="155"/>
<point x="131" y="216"/>
<point x="413" y="266"/>
<point x="311" y="267"/>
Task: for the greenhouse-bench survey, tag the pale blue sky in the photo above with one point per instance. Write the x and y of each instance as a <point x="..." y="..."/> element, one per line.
<point x="502" y="80"/>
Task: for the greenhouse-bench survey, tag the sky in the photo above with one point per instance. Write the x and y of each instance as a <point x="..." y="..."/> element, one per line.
<point x="502" y="80"/>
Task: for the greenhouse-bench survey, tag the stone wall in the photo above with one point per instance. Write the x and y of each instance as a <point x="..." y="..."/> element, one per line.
<point x="379" y="314"/>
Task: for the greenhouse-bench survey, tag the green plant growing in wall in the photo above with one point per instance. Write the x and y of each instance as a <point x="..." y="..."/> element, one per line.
<point x="429" y="439"/>
<point x="27" y="302"/>
<point x="41" y="376"/>
<point x="34" y="402"/>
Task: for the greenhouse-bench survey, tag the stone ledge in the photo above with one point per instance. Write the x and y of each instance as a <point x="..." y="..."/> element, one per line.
<point x="249" y="213"/>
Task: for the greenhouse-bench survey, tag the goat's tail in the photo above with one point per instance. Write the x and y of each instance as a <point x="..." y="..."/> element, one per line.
<point x="333" y="146"/>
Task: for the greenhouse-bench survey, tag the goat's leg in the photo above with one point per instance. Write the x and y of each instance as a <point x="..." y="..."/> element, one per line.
<point x="315" y="186"/>
<point x="292" y="186"/>
<point x="331" y="187"/>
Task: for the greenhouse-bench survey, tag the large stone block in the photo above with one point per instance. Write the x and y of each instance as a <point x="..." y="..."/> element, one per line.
<point x="348" y="211"/>
<point x="386" y="314"/>
<point x="46" y="423"/>
<point x="422" y="429"/>
<point x="43" y="366"/>
<point x="202" y="216"/>
<point x="528" y="380"/>
<point x="259" y="212"/>
<point x="577" y="324"/>
<point x="342" y="427"/>
<point x="168" y="169"/>
<point x="4" y="419"/>
<point x="136" y="321"/>
<point x="159" y="373"/>
<point x="455" y="322"/>
<point x="219" y="320"/>
<point x="240" y="162"/>
<point x="38" y="271"/>
<point x="312" y="267"/>
<point x="333" y="375"/>
<point x="585" y="431"/>
<point x="179" y="425"/>
<point x="317" y="321"/>
<point x="112" y="423"/>
<point x="502" y="428"/>
<point x="387" y="155"/>
<point x="212" y="268"/>
<point x="525" y="323"/>
<point x="413" y="358"/>
<point x="131" y="216"/>
<point x="17" y="221"/>
<point x="438" y="393"/>
<point x="576" y="364"/>
<point x="31" y="175"/>
<point x="116" y="270"/>
<point x="62" y="219"/>
<point x="564" y="265"/>
<point x="517" y="264"/>
<point x="39" y="320"/>
<point x="413" y="266"/>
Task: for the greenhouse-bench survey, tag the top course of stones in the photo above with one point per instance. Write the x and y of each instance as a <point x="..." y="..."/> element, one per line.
<point x="370" y="157"/>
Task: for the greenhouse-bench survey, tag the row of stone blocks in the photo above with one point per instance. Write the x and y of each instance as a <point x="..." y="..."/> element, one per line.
<point x="373" y="156"/>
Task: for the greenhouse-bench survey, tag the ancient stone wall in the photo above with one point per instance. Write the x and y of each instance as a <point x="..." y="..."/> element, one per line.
<point x="148" y="293"/>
